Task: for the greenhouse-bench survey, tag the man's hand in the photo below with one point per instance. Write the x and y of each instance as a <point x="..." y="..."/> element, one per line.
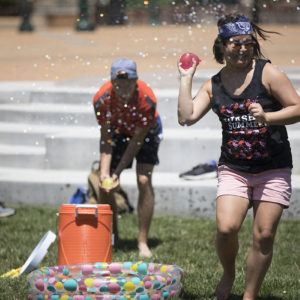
<point x="256" y="110"/>
<point x="116" y="181"/>
<point x="108" y="188"/>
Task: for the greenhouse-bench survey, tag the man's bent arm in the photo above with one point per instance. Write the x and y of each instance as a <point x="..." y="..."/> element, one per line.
<point x="105" y="151"/>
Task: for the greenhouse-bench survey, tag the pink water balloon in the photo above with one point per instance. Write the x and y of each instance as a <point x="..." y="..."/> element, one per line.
<point x="186" y="60"/>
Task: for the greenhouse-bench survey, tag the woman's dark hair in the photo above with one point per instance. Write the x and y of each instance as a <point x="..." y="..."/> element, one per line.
<point x="220" y="41"/>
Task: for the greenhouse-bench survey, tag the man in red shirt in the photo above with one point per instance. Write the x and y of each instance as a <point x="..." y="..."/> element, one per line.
<point x="125" y="108"/>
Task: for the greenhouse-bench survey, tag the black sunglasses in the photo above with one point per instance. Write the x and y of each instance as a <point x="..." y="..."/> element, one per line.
<point x="237" y="45"/>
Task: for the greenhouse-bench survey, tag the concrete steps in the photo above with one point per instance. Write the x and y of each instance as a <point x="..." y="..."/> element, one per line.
<point x="174" y="196"/>
<point x="73" y="106"/>
<point x="55" y="144"/>
<point x="22" y="156"/>
<point x="26" y="133"/>
<point x="41" y="113"/>
<point x="52" y="145"/>
<point x="49" y="138"/>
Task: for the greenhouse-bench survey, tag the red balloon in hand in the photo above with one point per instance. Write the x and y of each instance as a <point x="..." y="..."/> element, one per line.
<point x="186" y="60"/>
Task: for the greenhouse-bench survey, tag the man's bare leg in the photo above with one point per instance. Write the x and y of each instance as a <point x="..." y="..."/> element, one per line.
<point x="108" y="198"/>
<point x="145" y="206"/>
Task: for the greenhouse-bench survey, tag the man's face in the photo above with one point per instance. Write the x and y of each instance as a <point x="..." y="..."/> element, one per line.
<point x="124" y="88"/>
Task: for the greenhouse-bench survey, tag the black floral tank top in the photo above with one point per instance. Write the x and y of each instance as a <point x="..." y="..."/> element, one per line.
<point x="248" y="145"/>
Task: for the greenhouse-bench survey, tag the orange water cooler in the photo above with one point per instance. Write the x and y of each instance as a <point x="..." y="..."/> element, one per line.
<point x="84" y="234"/>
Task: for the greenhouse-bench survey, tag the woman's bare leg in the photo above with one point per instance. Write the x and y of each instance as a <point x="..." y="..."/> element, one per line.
<point x="231" y="212"/>
<point x="266" y="219"/>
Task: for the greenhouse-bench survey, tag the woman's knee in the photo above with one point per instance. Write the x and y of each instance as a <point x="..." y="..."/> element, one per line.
<point x="263" y="239"/>
<point x="226" y="230"/>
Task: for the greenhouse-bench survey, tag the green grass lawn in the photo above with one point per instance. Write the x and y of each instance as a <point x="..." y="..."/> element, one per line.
<point x="186" y="242"/>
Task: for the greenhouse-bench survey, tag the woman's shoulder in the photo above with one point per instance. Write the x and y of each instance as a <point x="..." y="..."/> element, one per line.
<point x="207" y="87"/>
<point x="216" y="79"/>
<point x="273" y="77"/>
<point x="272" y="72"/>
<point x="208" y="83"/>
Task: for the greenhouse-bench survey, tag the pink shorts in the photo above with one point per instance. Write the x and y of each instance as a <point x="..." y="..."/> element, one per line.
<point x="272" y="186"/>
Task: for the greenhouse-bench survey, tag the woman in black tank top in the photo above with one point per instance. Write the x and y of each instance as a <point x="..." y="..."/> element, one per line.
<point x="254" y="101"/>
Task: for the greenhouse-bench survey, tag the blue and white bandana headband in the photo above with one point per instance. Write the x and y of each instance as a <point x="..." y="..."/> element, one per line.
<point x="242" y="26"/>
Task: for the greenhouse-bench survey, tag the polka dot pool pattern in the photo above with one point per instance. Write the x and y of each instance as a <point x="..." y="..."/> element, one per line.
<point x="104" y="281"/>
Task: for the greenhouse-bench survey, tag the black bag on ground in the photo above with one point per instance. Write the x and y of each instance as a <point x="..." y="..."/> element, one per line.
<point x="122" y="201"/>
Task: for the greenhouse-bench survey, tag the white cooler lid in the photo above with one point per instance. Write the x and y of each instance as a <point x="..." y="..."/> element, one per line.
<point x="39" y="252"/>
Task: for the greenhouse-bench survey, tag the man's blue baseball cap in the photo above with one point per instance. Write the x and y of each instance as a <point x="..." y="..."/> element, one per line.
<point x="123" y="68"/>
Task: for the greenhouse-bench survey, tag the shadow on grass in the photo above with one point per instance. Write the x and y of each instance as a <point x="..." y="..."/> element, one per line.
<point x="131" y="244"/>
<point x="189" y="296"/>
<point x="269" y="298"/>
<point x="186" y="295"/>
<point x="240" y="297"/>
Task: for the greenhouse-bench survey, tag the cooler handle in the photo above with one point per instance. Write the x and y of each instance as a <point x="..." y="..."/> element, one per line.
<point x="86" y="206"/>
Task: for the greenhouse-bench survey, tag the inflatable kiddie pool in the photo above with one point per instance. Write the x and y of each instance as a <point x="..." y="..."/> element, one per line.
<point x="103" y="281"/>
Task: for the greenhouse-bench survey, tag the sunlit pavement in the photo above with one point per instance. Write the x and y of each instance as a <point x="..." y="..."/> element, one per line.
<point x="61" y="54"/>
